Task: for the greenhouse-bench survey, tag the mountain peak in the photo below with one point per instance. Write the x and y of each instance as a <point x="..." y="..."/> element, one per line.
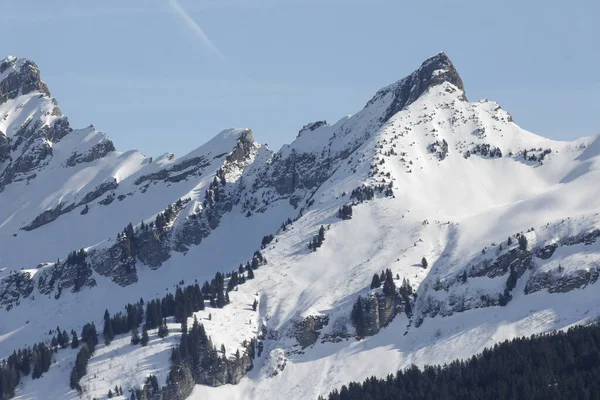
<point x="19" y="76"/>
<point x="433" y="71"/>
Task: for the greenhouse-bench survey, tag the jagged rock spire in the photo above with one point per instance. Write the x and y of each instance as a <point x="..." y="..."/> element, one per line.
<point x="433" y="71"/>
<point x="19" y="76"/>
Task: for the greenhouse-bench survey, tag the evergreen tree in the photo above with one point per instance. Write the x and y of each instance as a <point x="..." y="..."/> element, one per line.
<point x="108" y="331"/>
<point x="65" y="340"/>
<point x="145" y="338"/>
<point x="110" y="394"/>
<point x="389" y="287"/>
<point x="135" y="336"/>
<point x="60" y="339"/>
<point x="321" y="235"/>
<point x="163" y="329"/>
<point x="80" y="367"/>
<point x="75" y="340"/>
<point x="375" y="282"/>
<point x="522" y="243"/>
<point x="424" y="262"/>
<point x="358" y="317"/>
<point x="254" y="305"/>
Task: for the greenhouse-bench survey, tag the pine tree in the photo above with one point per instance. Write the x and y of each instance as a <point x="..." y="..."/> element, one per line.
<point x="65" y="339"/>
<point x="424" y="263"/>
<point x="135" y="336"/>
<point x="145" y="338"/>
<point x="75" y="341"/>
<point x="375" y="282"/>
<point x="358" y="317"/>
<point x="522" y="243"/>
<point x="108" y="331"/>
<point x="163" y="329"/>
<point x="389" y="287"/>
<point x="464" y="276"/>
<point x="254" y="305"/>
<point x="110" y="394"/>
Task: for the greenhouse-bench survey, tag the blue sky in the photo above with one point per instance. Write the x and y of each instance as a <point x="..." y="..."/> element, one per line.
<point x="167" y="75"/>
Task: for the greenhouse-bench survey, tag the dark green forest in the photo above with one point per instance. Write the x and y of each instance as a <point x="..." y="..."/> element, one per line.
<point x="559" y="365"/>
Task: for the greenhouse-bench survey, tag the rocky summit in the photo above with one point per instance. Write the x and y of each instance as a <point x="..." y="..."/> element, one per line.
<point x="421" y="229"/>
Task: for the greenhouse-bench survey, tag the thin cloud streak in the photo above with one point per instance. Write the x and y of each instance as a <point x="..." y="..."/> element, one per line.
<point x="193" y="25"/>
<point x="207" y="43"/>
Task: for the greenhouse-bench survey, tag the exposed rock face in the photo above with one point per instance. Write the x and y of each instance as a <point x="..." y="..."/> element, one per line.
<point x="152" y="248"/>
<point x="307" y="331"/>
<point x="30" y="144"/>
<point x="22" y="80"/>
<point x="193" y="231"/>
<point x="113" y="263"/>
<point x="230" y="371"/>
<point x="555" y="282"/>
<point x="14" y="287"/>
<point x="72" y="276"/>
<point x="433" y="71"/>
<point x="242" y="150"/>
<point x="48" y="216"/>
<point x="190" y="166"/>
<point x="379" y="311"/>
<point x="312" y="126"/>
<point x="4" y="147"/>
<point x="98" y="151"/>
<point x="99" y="191"/>
<point x="520" y="260"/>
<point x="512" y="264"/>
<point x="57" y="130"/>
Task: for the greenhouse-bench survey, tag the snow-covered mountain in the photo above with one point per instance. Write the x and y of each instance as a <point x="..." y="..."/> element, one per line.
<point x="504" y="221"/>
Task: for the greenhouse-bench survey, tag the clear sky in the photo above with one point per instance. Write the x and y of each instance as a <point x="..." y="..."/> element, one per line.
<point x="167" y="75"/>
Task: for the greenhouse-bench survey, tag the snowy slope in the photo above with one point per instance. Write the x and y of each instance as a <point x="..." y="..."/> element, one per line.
<point x="464" y="178"/>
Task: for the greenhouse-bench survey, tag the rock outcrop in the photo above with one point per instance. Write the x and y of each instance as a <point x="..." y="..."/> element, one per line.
<point x="24" y="79"/>
<point x="434" y="71"/>
<point x="307" y="331"/>
<point x="48" y="216"/>
<point x="100" y="150"/>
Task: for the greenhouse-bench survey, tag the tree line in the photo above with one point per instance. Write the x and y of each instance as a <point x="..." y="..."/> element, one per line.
<point x="559" y="365"/>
